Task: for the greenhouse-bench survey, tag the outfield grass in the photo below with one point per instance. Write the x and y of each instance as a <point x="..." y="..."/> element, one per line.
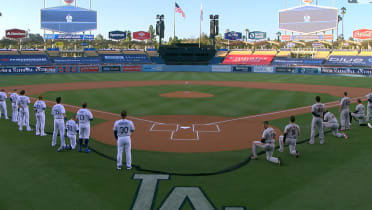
<point x="331" y="176"/>
<point x="227" y="101"/>
<point x="11" y="80"/>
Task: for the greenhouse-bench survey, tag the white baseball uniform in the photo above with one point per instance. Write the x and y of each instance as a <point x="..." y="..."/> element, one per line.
<point x="344" y="115"/>
<point x="369" y="107"/>
<point x="13" y="97"/>
<point x="269" y="135"/>
<point x="359" y="114"/>
<point x="124" y="128"/>
<point x="3" y="97"/>
<point x="84" y="116"/>
<point x="23" y="112"/>
<point x="292" y="131"/>
<point x="72" y="128"/>
<point x="58" y="112"/>
<point x="39" y="107"/>
<point x="318" y="110"/>
<point x="331" y="122"/>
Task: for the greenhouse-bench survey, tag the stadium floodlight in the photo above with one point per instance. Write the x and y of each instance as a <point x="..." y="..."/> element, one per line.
<point x="160" y="27"/>
<point x="214" y="27"/>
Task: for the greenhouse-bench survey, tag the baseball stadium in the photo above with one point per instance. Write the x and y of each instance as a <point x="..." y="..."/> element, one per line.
<point x="173" y="117"/>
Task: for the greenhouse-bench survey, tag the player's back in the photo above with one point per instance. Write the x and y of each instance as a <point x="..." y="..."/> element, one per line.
<point x="3" y="96"/>
<point x="14" y="97"/>
<point x="330" y="117"/>
<point x="318" y="109"/>
<point x="23" y="101"/>
<point x="360" y="109"/>
<point x="39" y="106"/>
<point x="84" y="116"/>
<point x="57" y="111"/>
<point x="269" y="135"/>
<point x="345" y="103"/>
<point x="292" y="130"/>
<point x="124" y="127"/>
<point x="71" y="127"/>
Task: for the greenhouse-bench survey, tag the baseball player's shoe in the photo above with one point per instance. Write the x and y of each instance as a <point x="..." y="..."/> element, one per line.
<point x="345" y="136"/>
<point x="54" y="145"/>
<point x="297" y="154"/>
<point x="129" y="168"/>
<point x="369" y="125"/>
<point x="43" y="134"/>
<point x="118" y="168"/>
<point x="29" y="129"/>
<point x="253" y="157"/>
<point x="87" y="150"/>
<point x="280" y="150"/>
<point x="37" y="134"/>
<point x="60" y="149"/>
<point x="20" y="129"/>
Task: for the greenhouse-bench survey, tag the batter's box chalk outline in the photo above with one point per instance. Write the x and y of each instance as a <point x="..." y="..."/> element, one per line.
<point x="217" y="128"/>
<point x="154" y="129"/>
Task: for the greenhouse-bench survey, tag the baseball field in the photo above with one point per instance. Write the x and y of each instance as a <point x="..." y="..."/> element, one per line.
<point x="191" y="147"/>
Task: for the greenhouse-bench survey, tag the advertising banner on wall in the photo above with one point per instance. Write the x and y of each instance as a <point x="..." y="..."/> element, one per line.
<point x="295" y="61"/>
<point x="66" y="69"/>
<point x="25" y="70"/>
<point x="306" y="37"/>
<point x="248" y="59"/>
<point x="233" y="35"/>
<point x="285" y="70"/>
<point x="242" y="69"/>
<point x="152" y="68"/>
<point x="362" y="34"/>
<point x="117" y="35"/>
<point x="111" y="68"/>
<point x="132" y="68"/>
<point x="349" y="61"/>
<point x="221" y="68"/>
<point x="89" y="69"/>
<point x="347" y="71"/>
<point x="15" y="34"/>
<point x="68" y="37"/>
<point x="141" y="35"/>
<point x="263" y="69"/>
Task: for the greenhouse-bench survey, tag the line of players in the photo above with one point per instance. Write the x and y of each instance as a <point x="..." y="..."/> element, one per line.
<point x="78" y="124"/>
<point x="322" y="118"/>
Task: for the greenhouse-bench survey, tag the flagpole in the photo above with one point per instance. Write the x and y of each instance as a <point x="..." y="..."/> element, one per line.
<point x="174" y="25"/>
<point x="200" y="20"/>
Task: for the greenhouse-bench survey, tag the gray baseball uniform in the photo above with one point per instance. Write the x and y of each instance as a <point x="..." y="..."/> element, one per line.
<point x="292" y="131"/>
<point x="13" y="98"/>
<point x="331" y="122"/>
<point x="359" y="114"/>
<point x="317" y="123"/>
<point x="269" y="135"/>
<point x="3" y="108"/>
<point x="369" y="107"/>
<point x="344" y="115"/>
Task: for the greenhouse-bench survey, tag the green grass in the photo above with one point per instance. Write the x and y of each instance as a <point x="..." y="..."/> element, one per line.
<point x="227" y="101"/>
<point x="13" y="80"/>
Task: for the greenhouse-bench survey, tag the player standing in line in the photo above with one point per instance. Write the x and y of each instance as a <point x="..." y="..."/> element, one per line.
<point x="317" y="110"/>
<point x="23" y="111"/>
<point x="358" y="115"/>
<point x="72" y="128"/>
<point x="3" y="98"/>
<point x="330" y="121"/>
<point x="39" y="107"/>
<point x="345" y="112"/>
<point x="369" y="106"/>
<point x="59" y="114"/>
<point x="84" y="117"/>
<point x="291" y="132"/>
<point x="267" y="143"/>
<point x="13" y="98"/>
<point x="122" y="130"/>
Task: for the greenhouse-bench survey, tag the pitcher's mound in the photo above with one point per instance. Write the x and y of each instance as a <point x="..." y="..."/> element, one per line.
<point x="186" y="94"/>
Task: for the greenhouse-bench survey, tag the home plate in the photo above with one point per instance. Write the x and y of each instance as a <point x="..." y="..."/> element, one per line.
<point x="185" y="127"/>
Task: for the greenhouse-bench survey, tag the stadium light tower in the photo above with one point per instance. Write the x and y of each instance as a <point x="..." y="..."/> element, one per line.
<point x="214" y="27"/>
<point x="160" y="27"/>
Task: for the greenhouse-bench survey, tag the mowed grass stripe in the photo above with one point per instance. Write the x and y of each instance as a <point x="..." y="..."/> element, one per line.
<point x="227" y="101"/>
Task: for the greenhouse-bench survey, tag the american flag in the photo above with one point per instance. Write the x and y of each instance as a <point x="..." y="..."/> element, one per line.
<point x="179" y="10"/>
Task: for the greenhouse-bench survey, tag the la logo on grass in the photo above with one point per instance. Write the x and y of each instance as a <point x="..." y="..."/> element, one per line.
<point x="176" y="198"/>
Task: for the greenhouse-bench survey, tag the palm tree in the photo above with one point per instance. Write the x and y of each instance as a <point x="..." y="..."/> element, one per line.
<point x="343" y="12"/>
<point x="246" y="34"/>
<point x="278" y="34"/>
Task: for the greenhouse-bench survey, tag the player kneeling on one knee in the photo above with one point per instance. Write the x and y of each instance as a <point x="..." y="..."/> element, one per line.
<point x="358" y="115"/>
<point x="84" y="116"/>
<point x="122" y="130"/>
<point x="291" y="133"/>
<point x="267" y="143"/>
<point x="72" y="129"/>
<point x="331" y="122"/>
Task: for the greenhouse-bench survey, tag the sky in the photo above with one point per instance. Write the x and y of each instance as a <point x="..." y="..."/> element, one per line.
<point x="136" y="15"/>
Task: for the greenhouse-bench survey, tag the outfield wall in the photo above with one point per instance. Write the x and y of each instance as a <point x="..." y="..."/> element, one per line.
<point x="313" y="70"/>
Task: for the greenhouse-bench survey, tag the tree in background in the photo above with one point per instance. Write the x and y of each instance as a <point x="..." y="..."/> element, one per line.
<point x="343" y="12"/>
